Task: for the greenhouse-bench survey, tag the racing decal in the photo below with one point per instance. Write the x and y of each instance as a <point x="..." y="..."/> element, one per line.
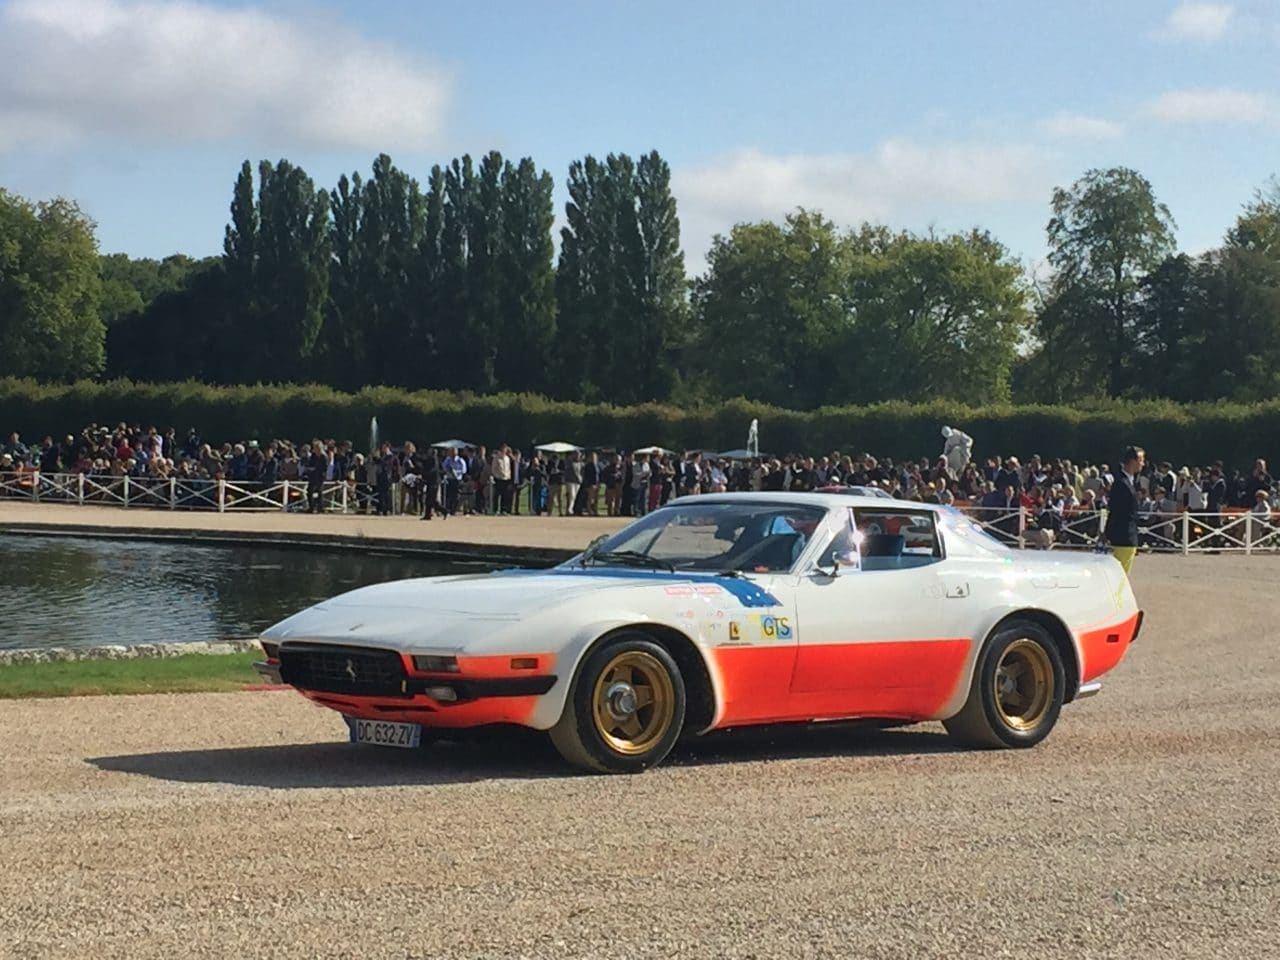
<point x="747" y="593"/>
<point x="762" y="628"/>
<point x="779" y="627"/>
<point x="680" y="590"/>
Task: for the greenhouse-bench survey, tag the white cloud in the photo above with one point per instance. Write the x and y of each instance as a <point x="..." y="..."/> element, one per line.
<point x="1078" y="126"/>
<point x="1198" y="21"/>
<point x="1222" y="106"/>
<point x="899" y="180"/>
<point x="182" y="71"/>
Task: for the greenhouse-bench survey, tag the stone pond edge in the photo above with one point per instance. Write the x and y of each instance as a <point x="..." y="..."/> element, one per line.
<point x="116" y="651"/>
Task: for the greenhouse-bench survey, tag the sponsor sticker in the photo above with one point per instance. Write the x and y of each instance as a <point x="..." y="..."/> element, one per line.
<point x="761" y="628"/>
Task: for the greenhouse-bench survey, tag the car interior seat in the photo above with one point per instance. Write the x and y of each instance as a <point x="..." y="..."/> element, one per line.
<point x="882" y="551"/>
<point x="883" y="545"/>
<point x="777" y="552"/>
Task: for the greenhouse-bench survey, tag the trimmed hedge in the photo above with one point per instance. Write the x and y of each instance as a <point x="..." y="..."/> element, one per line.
<point x="1193" y="434"/>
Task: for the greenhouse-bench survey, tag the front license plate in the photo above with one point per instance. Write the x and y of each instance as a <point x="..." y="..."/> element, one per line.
<point x="384" y="734"/>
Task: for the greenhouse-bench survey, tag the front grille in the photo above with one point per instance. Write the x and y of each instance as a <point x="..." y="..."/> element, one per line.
<point x="353" y="670"/>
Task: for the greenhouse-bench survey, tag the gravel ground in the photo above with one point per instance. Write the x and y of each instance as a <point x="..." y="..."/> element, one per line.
<point x="230" y="825"/>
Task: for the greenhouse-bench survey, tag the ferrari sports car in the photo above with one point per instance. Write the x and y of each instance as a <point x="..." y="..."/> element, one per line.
<point x="720" y="611"/>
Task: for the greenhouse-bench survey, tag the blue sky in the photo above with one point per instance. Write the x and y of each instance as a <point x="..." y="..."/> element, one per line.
<point x="916" y="114"/>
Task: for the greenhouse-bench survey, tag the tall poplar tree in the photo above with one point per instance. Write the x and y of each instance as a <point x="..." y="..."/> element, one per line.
<point x="342" y="356"/>
<point x="276" y="260"/>
<point x="662" y="317"/>
<point x="527" y="290"/>
<point x="391" y="230"/>
<point x="620" y="281"/>
<point x="456" y="357"/>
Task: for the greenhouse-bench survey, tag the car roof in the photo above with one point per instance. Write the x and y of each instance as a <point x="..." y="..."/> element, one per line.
<point x="826" y="500"/>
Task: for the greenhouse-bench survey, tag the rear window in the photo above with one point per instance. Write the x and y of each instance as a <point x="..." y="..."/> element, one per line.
<point x="916" y="527"/>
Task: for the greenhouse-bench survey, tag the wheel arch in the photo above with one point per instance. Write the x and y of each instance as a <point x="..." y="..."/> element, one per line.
<point x="1062" y="638"/>
<point x="700" y="696"/>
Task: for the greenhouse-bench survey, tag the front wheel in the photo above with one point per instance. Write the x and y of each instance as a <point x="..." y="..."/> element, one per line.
<point x="625" y="709"/>
<point x="1017" y="690"/>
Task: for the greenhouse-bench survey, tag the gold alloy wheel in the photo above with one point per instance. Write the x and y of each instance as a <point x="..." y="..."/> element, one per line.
<point x="1024" y="685"/>
<point x="633" y="702"/>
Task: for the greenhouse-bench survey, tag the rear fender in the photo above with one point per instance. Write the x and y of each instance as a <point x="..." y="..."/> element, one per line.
<point x="1068" y="646"/>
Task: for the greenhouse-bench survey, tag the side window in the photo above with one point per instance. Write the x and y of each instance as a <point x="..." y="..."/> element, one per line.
<point x="897" y="539"/>
<point x="843" y="544"/>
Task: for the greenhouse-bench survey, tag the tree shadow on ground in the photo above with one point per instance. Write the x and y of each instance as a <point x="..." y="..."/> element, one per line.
<point x="501" y="754"/>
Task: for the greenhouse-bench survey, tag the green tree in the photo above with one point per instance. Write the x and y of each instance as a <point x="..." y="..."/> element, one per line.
<point x="50" y="288"/>
<point x="341" y="353"/>
<point x="934" y="316"/>
<point x="276" y="260"/>
<point x="459" y="361"/>
<point x="177" y="334"/>
<point x="389" y="238"/>
<point x="620" y="285"/>
<point x="484" y="257"/>
<point x="431" y="279"/>
<point x="527" y="309"/>
<point x="1237" y="347"/>
<point x="662" y="308"/>
<point x="579" y="318"/>
<point x="129" y="284"/>
<point x="771" y="309"/>
<point x="1258" y="226"/>
<point x="1172" y="311"/>
<point x="1107" y="232"/>
<point x="801" y="315"/>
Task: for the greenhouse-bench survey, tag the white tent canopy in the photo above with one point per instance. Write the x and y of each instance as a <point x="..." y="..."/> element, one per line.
<point x="558" y="446"/>
<point x="653" y="450"/>
<point x="460" y="444"/>
<point x="737" y="455"/>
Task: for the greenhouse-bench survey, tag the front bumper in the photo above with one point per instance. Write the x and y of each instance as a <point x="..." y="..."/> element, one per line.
<point x="428" y="712"/>
<point x="369" y="683"/>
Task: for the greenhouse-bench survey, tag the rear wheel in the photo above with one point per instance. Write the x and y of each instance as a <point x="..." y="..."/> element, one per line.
<point x="625" y="709"/>
<point x="1017" y="690"/>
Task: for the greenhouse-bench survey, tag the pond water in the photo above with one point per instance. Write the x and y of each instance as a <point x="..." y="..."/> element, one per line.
<point x="60" y="591"/>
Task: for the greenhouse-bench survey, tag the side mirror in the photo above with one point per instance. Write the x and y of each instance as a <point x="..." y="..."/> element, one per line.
<point x="843" y="560"/>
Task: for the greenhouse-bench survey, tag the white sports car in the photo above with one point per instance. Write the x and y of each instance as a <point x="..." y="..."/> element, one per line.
<point x="720" y="611"/>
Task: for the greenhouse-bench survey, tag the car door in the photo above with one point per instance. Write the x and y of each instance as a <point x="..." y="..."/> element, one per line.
<point x="753" y="646"/>
<point x="883" y="636"/>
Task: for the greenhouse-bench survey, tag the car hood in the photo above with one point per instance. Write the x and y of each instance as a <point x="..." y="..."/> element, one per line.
<point x="471" y="611"/>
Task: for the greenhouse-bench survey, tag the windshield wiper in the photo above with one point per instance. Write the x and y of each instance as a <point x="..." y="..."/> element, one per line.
<point x="632" y="558"/>
<point x="592" y="549"/>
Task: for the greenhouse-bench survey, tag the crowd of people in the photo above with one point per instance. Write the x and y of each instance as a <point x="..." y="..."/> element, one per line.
<point x="430" y="482"/>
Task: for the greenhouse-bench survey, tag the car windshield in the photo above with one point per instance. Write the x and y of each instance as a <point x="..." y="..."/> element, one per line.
<point x="741" y="536"/>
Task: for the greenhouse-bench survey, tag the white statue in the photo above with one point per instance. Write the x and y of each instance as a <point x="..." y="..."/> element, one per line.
<point x="957" y="447"/>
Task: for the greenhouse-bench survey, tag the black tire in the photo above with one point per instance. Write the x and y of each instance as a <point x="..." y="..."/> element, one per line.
<point x="1017" y="691"/>
<point x="590" y="733"/>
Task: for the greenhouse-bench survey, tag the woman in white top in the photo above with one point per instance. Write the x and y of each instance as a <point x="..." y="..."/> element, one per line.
<point x="1190" y="493"/>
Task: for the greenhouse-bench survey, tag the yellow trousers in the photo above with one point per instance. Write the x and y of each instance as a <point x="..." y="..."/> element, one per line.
<point x="1125" y="556"/>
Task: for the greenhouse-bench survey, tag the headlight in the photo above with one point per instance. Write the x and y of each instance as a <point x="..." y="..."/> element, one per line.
<point x="434" y="664"/>
<point x="271" y="648"/>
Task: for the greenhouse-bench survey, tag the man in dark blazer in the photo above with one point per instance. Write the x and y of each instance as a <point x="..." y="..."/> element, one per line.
<point x="1122" y="508"/>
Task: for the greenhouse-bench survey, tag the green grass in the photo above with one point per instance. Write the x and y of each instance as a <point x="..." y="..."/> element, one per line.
<point x="78" y="678"/>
